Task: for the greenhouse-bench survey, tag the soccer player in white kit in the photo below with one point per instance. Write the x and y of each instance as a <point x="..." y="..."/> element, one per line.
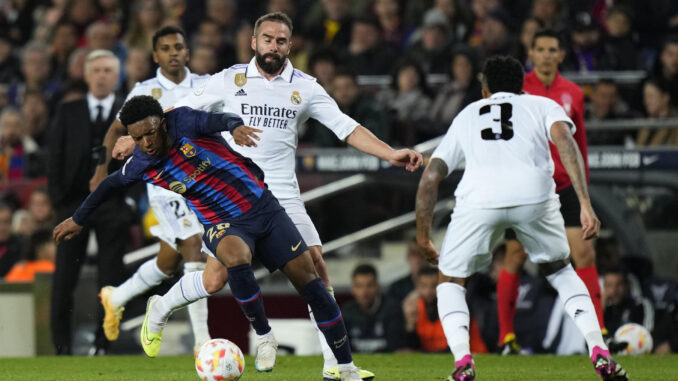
<point x="507" y="183"/>
<point x="274" y="99"/>
<point x="178" y="228"/>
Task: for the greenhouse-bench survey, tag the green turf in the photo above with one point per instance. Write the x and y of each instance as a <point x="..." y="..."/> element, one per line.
<point x="386" y="367"/>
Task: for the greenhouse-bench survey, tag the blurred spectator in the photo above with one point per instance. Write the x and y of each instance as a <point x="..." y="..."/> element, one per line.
<point x="666" y="66"/>
<point x="480" y="9"/>
<point x="224" y="13"/>
<point x="585" y="50"/>
<point x="18" y="20"/>
<point x="402" y="287"/>
<point x="323" y="64"/>
<point x="147" y="16"/>
<point x="35" y="112"/>
<point x="422" y="324"/>
<point x="209" y="34"/>
<point x="203" y="60"/>
<point x="35" y="69"/>
<point x="9" y="64"/>
<point x="64" y="42"/>
<point x="74" y="89"/>
<point x="115" y="14"/>
<point x="390" y="14"/>
<point x="243" y="45"/>
<point x="367" y="53"/>
<point x="4" y="100"/>
<point x="619" y="47"/>
<point x="549" y="13"/>
<point x="530" y="26"/>
<point x="463" y="89"/>
<point x="621" y="308"/>
<point x="433" y="50"/>
<point x="329" y="23"/>
<point x="606" y="104"/>
<point x="368" y="322"/>
<point x="407" y="100"/>
<point x="354" y="103"/>
<point x="40" y="209"/>
<point x="497" y="36"/>
<point x="456" y="15"/>
<point x="76" y="63"/>
<point x="137" y="68"/>
<point x="81" y="13"/>
<point x="15" y="146"/>
<point x="10" y="245"/>
<point x="41" y="256"/>
<point x="657" y="101"/>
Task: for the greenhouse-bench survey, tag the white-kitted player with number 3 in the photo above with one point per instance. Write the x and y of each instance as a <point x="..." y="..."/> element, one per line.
<point x="507" y="183"/>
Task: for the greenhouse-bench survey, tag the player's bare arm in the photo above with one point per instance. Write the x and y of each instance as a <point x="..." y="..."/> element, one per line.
<point x="66" y="230"/>
<point x="427" y="195"/>
<point x="364" y="140"/>
<point x="246" y="136"/>
<point x="574" y="165"/>
<point x="112" y="135"/>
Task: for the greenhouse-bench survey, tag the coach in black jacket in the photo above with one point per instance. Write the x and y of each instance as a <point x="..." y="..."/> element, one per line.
<point x="74" y="151"/>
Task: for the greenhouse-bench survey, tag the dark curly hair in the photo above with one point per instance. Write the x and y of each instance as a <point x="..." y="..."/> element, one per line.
<point x="139" y="108"/>
<point x="164" y="31"/>
<point x="503" y="73"/>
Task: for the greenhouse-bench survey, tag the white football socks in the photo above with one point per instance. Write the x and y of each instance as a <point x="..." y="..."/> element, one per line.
<point x="455" y="318"/>
<point x="187" y="290"/>
<point x="578" y="305"/>
<point x="197" y="311"/>
<point x="146" y="277"/>
<point x="328" y="356"/>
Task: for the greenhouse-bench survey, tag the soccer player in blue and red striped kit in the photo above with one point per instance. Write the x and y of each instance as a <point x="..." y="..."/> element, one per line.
<point x="182" y="150"/>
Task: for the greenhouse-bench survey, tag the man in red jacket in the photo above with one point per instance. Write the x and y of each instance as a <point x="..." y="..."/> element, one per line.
<point x="547" y="53"/>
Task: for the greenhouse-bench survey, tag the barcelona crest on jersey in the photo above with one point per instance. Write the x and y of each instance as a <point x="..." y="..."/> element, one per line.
<point x="188" y="150"/>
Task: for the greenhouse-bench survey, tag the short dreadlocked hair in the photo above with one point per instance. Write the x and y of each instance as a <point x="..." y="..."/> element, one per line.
<point x="503" y="73"/>
<point x="139" y="108"/>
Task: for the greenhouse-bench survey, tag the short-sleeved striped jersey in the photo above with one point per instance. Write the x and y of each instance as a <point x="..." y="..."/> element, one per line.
<point x="218" y="182"/>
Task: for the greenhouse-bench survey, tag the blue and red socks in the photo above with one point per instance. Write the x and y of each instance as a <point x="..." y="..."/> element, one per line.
<point x="248" y="295"/>
<point x="328" y="318"/>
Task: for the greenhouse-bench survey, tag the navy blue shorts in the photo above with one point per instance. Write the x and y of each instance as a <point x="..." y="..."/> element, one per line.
<point x="266" y="229"/>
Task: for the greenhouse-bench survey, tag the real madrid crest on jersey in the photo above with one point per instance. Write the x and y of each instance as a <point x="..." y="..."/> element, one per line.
<point x="240" y="79"/>
<point x="295" y="98"/>
<point x="188" y="150"/>
<point x="156" y="93"/>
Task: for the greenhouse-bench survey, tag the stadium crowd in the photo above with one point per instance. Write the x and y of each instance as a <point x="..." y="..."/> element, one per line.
<point x="344" y="43"/>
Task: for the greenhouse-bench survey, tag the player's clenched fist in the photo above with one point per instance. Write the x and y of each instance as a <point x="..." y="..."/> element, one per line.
<point x="245" y="136"/>
<point x="66" y="230"/>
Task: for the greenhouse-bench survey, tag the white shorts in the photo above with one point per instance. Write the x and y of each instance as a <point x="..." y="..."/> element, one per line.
<point x="297" y="212"/>
<point x="473" y="232"/>
<point x="175" y="219"/>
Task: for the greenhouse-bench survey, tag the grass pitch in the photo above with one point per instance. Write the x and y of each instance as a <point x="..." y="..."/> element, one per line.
<point x="386" y="367"/>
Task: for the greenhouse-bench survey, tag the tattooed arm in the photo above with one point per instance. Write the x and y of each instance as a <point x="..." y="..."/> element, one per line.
<point x="427" y="195"/>
<point x="574" y="165"/>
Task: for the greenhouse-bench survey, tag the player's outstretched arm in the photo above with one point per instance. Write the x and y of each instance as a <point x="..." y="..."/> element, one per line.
<point x="112" y="135"/>
<point x="574" y="165"/>
<point x="364" y="140"/>
<point x="427" y="195"/>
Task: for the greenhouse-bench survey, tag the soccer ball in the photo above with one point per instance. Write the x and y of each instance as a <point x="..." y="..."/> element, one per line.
<point x="638" y="338"/>
<point x="219" y="359"/>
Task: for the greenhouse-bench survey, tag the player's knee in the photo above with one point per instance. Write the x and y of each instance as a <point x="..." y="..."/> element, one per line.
<point x="215" y="281"/>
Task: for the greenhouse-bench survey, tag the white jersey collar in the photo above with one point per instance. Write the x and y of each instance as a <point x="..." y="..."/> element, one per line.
<point x="253" y="71"/>
<point x="502" y="94"/>
<point x="169" y="85"/>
